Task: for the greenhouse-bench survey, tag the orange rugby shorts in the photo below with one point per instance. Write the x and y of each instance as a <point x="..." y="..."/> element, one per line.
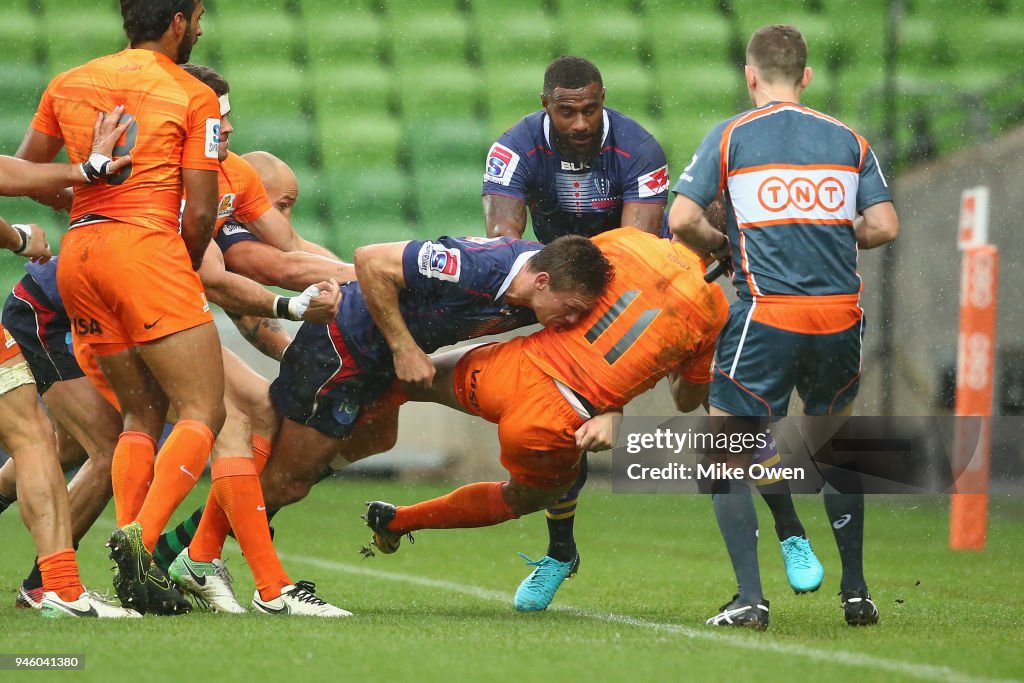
<point x="124" y="285"/>
<point x="536" y="425"/>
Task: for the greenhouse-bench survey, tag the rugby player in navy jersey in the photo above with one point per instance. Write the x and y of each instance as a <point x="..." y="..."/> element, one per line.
<point x="338" y="389"/>
<point x="580" y="168"/>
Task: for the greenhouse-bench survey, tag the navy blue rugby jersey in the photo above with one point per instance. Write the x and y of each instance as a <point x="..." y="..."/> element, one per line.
<point x="572" y="198"/>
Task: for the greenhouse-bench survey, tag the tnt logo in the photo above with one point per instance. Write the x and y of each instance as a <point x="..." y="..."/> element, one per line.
<point x="775" y="194"/>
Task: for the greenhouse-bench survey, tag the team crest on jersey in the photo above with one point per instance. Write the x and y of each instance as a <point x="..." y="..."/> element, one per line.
<point x="501" y="164"/>
<point x="212" y="148"/>
<point x="227" y="205"/>
<point x="653" y="183"/>
<point x="439" y="262"/>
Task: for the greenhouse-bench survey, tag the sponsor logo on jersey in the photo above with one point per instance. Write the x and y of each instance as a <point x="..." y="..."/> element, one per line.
<point x="653" y="183"/>
<point x="686" y="177"/>
<point x="346" y="413"/>
<point x="227" y="205"/>
<point x="573" y="166"/>
<point x="212" y="138"/>
<point x="87" y="326"/>
<point x="439" y="262"/>
<point x="8" y="339"/>
<point x="501" y="164"/>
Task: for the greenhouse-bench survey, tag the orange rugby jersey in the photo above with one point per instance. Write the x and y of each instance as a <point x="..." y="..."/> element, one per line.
<point x="657" y="315"/>
<point x="176" y="125"/>
<point x="241" y="192"/>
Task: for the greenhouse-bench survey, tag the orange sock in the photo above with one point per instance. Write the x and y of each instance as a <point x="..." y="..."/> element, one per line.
<point x="178" y="467"/>
<point x="237" y="487"/>
<point x="471" y="506"/>
<point x="261" y="448"/>
<point x="60" y="574"/>
<point x="208" y="542"/>
<point x="131" y="472"/>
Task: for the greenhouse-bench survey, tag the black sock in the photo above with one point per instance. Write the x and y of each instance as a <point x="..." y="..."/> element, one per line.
<point x="171" y="543"/>
<point x="6" y="502"/>
<point x="737" y="520"/>
<point x="35" y="577"/>
<point x="780" y="502"/>
<point x="561" y="518"/>
<point x="844" y="505"/>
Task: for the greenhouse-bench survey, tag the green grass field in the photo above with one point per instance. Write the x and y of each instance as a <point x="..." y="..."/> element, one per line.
<point x="654" y="567"/>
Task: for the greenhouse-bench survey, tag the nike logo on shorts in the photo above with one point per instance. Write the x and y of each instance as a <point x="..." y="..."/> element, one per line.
<point x="151" y="325"/>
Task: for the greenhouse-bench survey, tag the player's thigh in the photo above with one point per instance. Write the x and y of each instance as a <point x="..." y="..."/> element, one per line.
<point x="142" y="400"/>
<point x="249" y="390"/>
<point x="189" y="368"/>
<point x="755" y="366"/>
<point x="87" y="416"/>
<point x="830" y="371"/>
<point x="443" y="389"/>
<point x="299" y="454"/>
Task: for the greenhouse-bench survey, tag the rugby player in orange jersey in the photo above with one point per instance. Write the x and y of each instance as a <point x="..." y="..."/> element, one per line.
<point x="128" y="276"/>
<point x="657" y="317"/>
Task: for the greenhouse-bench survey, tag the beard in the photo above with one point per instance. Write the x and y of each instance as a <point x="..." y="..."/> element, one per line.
<point x="185" y="48"/>
<point x="571" y="151"/>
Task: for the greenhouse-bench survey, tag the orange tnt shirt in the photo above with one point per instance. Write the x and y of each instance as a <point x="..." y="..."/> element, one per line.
<point x="657" y="315"/>
<point x="176" y="125"/>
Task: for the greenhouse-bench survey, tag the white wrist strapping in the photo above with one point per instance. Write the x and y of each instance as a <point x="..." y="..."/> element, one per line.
<point x="294" y="307"/>
<point x="26" y="236"/>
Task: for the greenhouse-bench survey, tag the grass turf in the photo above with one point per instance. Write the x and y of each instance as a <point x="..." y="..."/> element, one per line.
<point x="654" y="567"/>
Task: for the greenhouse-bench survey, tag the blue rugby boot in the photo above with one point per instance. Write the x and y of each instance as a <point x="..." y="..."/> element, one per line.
<point x="538" y="589"/>
<point x="803" y="569"/>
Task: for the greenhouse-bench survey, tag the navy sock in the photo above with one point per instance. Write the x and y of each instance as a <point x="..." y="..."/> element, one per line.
<point x="737" y="520"/>
<point x="562" y="517"/>
<point x="844" y="504"/>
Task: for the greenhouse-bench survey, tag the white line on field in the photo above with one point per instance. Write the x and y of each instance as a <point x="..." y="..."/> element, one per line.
<point x="750" y="642"/>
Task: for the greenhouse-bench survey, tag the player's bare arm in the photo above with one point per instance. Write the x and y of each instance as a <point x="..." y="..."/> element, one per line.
<point x="877" y="225"/>
<point x="200" y="212"/>
<point x="646" y="216"/>
<point x="25" y="240"/>
<point x="232" y="292"/>
<point x="504" y="216"/>
<point x="687" y="221"/>
<point x="294" y="270"/>
<point x="687" y="395"/>
<point x="379" y="270"/>
<point x="600" y="432"/>
<point x="267" y="335"/>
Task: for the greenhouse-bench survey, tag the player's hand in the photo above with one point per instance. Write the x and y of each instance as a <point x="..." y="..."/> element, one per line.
<point x="322" y="306"/>
<point x="37" y="247"/>
<point x="105" y="134"/>
<point x="414" y="366"/>
<point x="599" y="433"/>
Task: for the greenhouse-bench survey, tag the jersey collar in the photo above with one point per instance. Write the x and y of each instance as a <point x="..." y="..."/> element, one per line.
<point x="514" y="270"/>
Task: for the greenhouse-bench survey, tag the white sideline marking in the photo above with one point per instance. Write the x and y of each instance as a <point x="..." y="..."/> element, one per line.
<point x="760" y="643"/>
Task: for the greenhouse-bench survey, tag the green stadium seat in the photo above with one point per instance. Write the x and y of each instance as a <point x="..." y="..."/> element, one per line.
<point x="20" y="33"/>
<point x="449" y="201"/>
<point x="23" y="85"/>
<point x="511" y="93"/>
<point x="515" y="40"/>
<point x="339" y="35"/>
<point x="604" y="37"/>
<point x="628" y="88"/>
<point x="439" y="90"/>
<point x="687" y="39"/>
<point x="350" y="143"/>
<point x="366" y="197"/>
<point x="423" y="33"/>
<point x="272" y="90"/>
<point x="257" y="39"/>
<point x="435" y="144"/>
<point x="292" y="138"/>
<point x="354" y="90"/>
<point x="76" y="37"/>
